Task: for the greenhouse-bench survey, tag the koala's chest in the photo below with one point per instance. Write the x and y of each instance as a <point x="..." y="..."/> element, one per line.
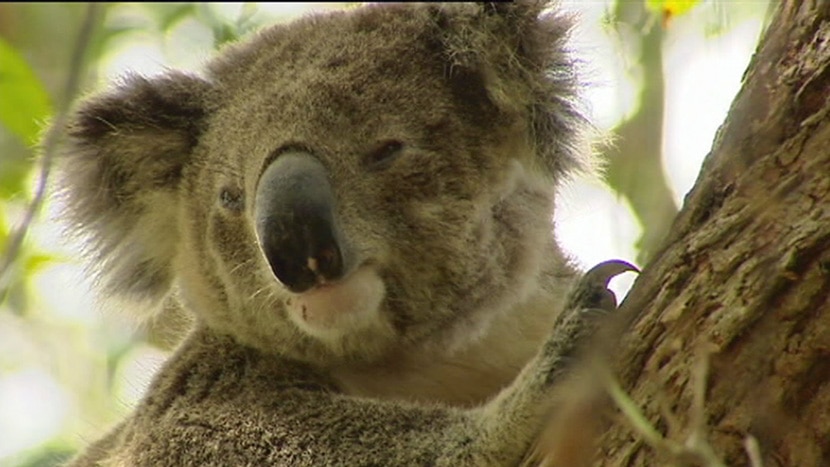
<point x="464" y="377"/>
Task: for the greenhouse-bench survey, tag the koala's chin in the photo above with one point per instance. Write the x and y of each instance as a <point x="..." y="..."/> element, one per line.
<point x="333" y="310"/>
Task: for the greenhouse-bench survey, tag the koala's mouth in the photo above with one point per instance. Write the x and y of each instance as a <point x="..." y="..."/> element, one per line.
<point x="331" y="310"/>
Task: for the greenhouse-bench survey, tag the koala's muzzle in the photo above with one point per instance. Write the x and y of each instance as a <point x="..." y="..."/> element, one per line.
<point x="296" y="224"/>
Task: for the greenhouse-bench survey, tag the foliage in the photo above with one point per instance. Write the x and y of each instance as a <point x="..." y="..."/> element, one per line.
<point x="26" y="103"/>
<point x="671" y="7"/>
<point x="24" y="107"/>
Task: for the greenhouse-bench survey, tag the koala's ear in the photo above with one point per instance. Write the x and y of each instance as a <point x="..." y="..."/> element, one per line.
<point x="519" y="50"/>
<point x="121" y="165"/>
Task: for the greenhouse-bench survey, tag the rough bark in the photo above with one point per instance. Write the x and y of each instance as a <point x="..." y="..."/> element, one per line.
<point x="746" y="271"/>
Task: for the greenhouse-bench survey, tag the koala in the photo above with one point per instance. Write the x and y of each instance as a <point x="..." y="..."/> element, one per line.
<point x="356" y="210"/>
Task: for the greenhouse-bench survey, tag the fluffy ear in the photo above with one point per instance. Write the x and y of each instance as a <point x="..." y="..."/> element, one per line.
<point x="520" y="53"/>
<point x="121" y="166"/>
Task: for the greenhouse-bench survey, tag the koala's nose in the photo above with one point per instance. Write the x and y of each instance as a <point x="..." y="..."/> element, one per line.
<point x="296" y="224"/>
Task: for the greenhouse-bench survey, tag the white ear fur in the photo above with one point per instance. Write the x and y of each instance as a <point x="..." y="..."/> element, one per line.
<point x="120" y="171"/>
<point x="520" y="51"/>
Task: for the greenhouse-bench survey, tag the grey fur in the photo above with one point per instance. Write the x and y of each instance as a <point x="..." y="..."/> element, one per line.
<point x="457" y="365"/>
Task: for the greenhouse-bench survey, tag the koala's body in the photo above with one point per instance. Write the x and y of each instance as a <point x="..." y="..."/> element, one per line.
<point x="356" y="209"/>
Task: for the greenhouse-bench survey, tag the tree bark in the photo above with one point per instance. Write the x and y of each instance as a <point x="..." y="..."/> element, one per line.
<point x="745" y="271"/>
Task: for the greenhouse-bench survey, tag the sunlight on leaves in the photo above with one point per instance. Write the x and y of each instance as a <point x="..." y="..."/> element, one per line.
<point x="671" y="8"/>
<point x="25" y="103"/>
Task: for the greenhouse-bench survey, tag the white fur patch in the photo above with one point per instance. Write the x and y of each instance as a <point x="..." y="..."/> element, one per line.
<point x="331" y="311"/>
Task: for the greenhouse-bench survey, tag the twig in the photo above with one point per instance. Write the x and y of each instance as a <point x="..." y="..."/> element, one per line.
<point x="696" y="449"/>
<point x="50" y="141"/>
<point x="753" y="451"/>
<point x="672" y="421"/>
<point x="696" y="442"/>
<point x="637" y="420"/>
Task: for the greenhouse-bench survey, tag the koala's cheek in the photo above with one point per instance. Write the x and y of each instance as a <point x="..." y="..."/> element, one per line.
<point x="332" y="312"/>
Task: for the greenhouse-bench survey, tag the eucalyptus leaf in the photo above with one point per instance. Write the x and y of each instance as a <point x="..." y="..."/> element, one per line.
<point x="671" y="7"/>
<point x="25" y="104"/>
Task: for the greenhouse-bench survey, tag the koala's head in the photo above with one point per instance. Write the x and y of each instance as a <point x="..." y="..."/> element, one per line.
<point x="338" y="187"/>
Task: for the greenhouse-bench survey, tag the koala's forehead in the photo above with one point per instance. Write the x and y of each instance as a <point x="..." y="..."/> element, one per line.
<point x="351" y="64"/>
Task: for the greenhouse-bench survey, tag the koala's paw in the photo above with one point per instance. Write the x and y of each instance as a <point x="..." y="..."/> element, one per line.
<point x="588" y="302"/>
<point x="591" y="291"/>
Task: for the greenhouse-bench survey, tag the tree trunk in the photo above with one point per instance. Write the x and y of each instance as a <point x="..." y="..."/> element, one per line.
<point x="745" y="272"/>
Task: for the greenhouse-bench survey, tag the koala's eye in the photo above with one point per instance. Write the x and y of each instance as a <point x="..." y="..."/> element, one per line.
<point x="383" y="156"/>
<point x="232" y="199"/>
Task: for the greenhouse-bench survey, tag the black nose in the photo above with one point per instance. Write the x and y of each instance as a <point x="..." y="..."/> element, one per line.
<point x="296" y="222"/>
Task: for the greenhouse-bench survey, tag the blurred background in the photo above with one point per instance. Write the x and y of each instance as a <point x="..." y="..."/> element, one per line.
<point x="660" y="77"/>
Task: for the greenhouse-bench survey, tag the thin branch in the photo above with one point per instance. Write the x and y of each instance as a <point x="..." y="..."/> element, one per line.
<point x="697" y="449"/>
<point x="637" y="419"/>
<point x="697" y="442"/>
<point x="753" y="451"/>
<point x="50" y="141"/>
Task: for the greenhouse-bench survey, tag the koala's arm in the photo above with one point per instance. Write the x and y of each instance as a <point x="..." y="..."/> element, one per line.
<point x="232" y="413"/>
<point x="218" y="403"/>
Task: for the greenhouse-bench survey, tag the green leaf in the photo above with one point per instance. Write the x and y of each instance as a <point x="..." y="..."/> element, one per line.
<point x="25" y="104"/>
<point x="222" y="31"/>
<point x="15" y="165"/>
<point x="670" y="8"/>
<point x="101" y="41"/>
<point x="170" y="14"/>
<point x="35" y="262"/>
<point x="246" y="14"/>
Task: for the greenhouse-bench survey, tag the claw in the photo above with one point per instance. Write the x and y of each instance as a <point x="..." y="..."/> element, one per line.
<point x="591" y="292"/>
<point x="607" y="270"/>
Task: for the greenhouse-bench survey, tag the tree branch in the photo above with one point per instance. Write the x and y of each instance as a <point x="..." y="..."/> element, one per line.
<point x="50" y="141"/>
